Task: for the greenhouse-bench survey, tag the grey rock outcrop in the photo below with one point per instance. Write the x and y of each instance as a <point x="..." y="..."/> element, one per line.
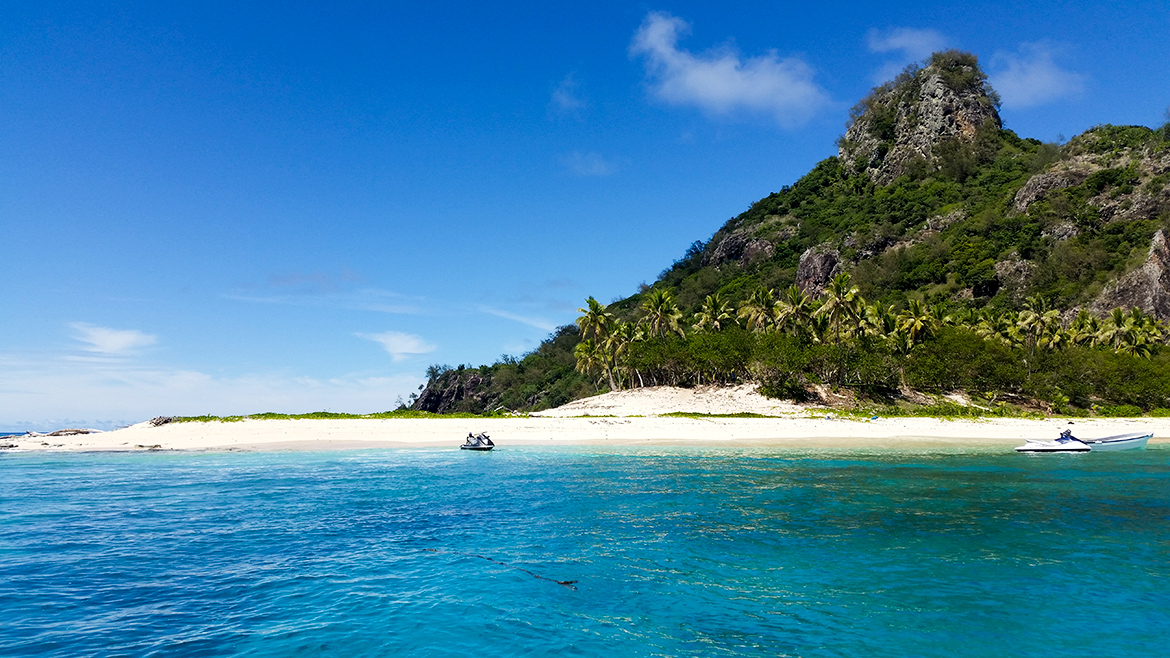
<point x="1061" y="232"/>
<point x="906" y="120"/>
<point x="443" y="395"/>
<point x="1147" y="287"/>
<point x="817" y="266"/>
<point x="740" y="248"/>
<point x="941" y="222"/>
<point x="1040" y="185"/>
<point x="1014" y="273"/>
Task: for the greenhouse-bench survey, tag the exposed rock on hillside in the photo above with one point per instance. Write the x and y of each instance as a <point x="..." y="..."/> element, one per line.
<point x="906" y="121"/>
<point x="1147" y="287"/>
<point x="739" y="247"/>
<point x="1040" y="185"/>
<point x="817" y="266"/>
<point x="1013" y="274"/>
<point x="453" y="388"/>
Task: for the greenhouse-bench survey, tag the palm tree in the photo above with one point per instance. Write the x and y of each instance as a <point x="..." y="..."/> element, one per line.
<point x="794" y="311"/>
<point x="617" y="345"/>
<point x="939" y="313"/>
<point x="1001" y="327"/>
<point x="917" y="321"/>
<point x="960" y="317"/>
<point x="879" y="320"/>
<point x="596" y="321"/>
<point x="818" y="327"/>
<point x="1084" y="329"/>
<point x="840" y="304"/>
<point x="662" y="314"/>
<point x="1037" y="323"/>
<point x="713" y="314"/>
<point x="588" y="357"/>
<point x="1151" y="328"/>
<point x="1134" y="333"/>
<point x="1114" y="329"/>
<point x="760" y="310"/>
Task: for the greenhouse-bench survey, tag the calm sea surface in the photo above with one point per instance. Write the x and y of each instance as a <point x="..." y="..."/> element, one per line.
<point x="676" y="551"/>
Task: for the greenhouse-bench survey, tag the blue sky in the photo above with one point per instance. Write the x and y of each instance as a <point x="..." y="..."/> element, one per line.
<point x="244" y="207"/>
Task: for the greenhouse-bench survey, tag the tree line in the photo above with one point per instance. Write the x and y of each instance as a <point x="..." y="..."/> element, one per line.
<point x="789" y="340"/>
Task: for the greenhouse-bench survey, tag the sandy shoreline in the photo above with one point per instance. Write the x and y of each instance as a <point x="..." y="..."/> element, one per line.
<point x="279" y="435"/>
<point x="629" y="419"/>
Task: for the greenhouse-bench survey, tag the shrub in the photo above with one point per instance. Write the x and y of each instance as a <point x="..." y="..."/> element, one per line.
<point x="1119" y="411"/>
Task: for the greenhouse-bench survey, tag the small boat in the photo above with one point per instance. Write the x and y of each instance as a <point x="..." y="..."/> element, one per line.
<point x="1132" y="441"/>
<point x="1069" y="443"/>
<point x="477" y="442"/>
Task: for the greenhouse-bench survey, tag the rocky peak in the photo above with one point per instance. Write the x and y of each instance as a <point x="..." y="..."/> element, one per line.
<point x="903" y="123"/>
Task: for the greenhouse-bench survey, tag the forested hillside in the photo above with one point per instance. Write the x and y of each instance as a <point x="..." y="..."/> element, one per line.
<point x="937" y="251"/>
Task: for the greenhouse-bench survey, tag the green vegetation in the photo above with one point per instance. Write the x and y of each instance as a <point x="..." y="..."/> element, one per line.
<point x="326" y="415"/>
<point x="963" y="274"/>
<point x="545" y="378"/>
<point x="945" y="410"/>
<point x="792" y="344"/>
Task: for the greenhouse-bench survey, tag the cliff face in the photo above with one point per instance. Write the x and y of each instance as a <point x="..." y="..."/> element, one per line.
<point x="904" y="123"/>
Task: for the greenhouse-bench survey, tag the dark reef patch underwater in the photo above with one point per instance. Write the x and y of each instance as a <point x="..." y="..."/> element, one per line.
<point x="676" y="551"/>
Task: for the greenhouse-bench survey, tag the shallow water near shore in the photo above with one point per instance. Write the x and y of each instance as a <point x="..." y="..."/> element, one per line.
<point x="743" y="551"/>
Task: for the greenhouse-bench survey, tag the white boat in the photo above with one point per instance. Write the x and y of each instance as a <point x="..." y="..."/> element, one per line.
<point x="1069" y="443"/>
<point x="1131" y="441"/>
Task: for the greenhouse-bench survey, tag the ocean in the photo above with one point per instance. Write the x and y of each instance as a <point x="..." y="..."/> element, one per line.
<point x="672" y="551"/>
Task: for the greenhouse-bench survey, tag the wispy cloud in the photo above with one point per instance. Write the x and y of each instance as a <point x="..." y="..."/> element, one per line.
<point x="589" y="164"/>
<point x="400" y="345"/>
<point x="567" y="96"/>
<point x="369" y="299"/>
<point x="539" y="323"/>
<point x="325" y="289"/>
<point x="111" y="342"/>
<point x="1030" y="76"/>
<point x="315" y="282"/>
<point x="721" y="81"/>
<point x="906" y="44"/>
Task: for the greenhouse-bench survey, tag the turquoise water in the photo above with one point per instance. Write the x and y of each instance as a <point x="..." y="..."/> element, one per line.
<point x="676" y="551"/>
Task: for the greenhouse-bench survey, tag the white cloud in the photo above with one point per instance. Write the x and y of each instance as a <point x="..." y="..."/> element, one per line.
<point x="539" y="323"/>
<point x="907" y="44"/>
<point x="400" y="345"/>
<point x="113" y="342"/>
<point x="910" y="42"/>
<point x="589" y="164"/>
<point x="567" y="95"/>
<point x="721" y="82"/>
<point x="1030" y="77"/>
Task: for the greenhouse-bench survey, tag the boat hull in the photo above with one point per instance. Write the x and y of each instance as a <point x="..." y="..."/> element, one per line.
<point x="465" y="447"/>
<point x="1133" y="441"/>
<point x="1053" y="446"/>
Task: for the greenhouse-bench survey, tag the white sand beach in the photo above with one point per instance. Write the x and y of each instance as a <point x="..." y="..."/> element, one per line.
<point x="626" y="417"/>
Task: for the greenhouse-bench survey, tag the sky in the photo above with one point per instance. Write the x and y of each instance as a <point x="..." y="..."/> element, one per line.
<point x="242" y="207"/>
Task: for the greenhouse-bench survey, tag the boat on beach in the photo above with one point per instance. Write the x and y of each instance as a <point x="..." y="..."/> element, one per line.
<point x="479" y="441"/>
<point x="1069" y="443"/>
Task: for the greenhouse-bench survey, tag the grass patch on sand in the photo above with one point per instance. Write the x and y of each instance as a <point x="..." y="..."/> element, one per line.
<point x="940" y="410"/>
<point x="329" y="415"/>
